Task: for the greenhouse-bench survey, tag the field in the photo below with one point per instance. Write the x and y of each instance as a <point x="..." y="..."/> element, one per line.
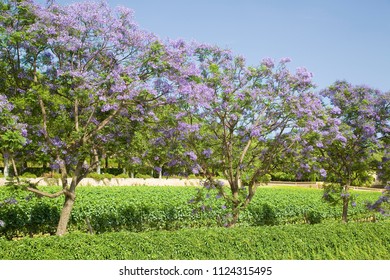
<point x="159" y="223"/>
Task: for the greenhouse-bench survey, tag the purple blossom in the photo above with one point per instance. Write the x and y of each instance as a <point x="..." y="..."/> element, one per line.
<point x="320" y="145"/>
<point x="24" y="132"/>
<point x="305" y="166"/>
<point x="285" y="60"/>
<point x="108" y="107"/>
<point x="383" y="199"/>
<point x="336" y="110"/>
<point x="2" y="223"/>
<point x="345" y="195"/>
<point x="187" y="128"/>
<point x="56" y="141"/>
<point x="207" y="185"/>
<point x="304" y="75"/>
<point x="11" y="201"/>
<point x="268" y="62"/>
<point x="369" y="130"/>
<point x="195" y="170"/>
<point x="4" y="104"/>
<point x="191" y="155"/>
<point x="207" y="153"/>
<point x="220" y="183"/>
<point x="255" y="132"/>
<point x="323" y="172"/>
<point x="136" y="160"/>
<point x="341" y="138"/>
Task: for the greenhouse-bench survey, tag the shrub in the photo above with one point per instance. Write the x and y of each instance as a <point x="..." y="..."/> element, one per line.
<point x="102" y="176"/>
<point x="313" y="217"/>
<point x="123" y="175"/>
<point x="329" y="241"/>
<point x="143" y="176"/>
<point x="265" y="215"/>
<point x="28" y="175"/>
<point x="152" y="208"/>
<point x="282" y="176"/>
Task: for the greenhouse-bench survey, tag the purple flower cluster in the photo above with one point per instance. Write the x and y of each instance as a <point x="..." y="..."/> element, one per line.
<point x="304" y="75"/>
<point x="10" y="201"/>
<point x="192" y="156"/>
<point x="4" y="104"/>
<point x="268" y="62"/>
<point x="136" y="160"/>
<point x="207" y="153"/>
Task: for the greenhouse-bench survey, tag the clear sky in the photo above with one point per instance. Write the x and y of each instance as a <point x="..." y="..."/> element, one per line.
<point x="334" y="39"/>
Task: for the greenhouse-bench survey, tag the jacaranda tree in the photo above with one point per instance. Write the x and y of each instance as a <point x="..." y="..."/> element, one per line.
<point x="244" y="119"/>
<point x="351" y="140"/>
<point x="88" y="66"/>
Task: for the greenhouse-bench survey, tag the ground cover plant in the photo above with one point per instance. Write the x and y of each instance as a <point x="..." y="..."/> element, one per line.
<point x="327" y="241"/>
<point x="137" y="209"/>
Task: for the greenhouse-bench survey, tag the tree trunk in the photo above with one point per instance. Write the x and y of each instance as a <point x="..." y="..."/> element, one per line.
<point x="6" y="167"/>
<point x="160" y="173"/>
<point x="234" y="186"/>
<point x="234" y="220"/>
<point x="345" y="203"/>
<point x="345" y="209"/>
<point x="65" y="214"/>
<point x="16" y="173"/>
<point x="97" y="160"/>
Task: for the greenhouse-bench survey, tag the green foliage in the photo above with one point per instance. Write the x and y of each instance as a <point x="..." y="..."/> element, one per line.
<point x="12" y="140"/>
<point x="123" y="176"/>
<point x="282" y="176"/>
<point x="154" y="208"/>
<point x="313" y="217"/>
<point x="98" y="176"/>
<point x="143" y="176"/>
<point x="265" y="215"/>
<point x="334" y="194"/>
<point x="28" y="175"/>
<point x="329" y="241"/>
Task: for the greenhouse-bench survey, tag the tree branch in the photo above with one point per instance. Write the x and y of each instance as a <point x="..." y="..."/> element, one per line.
<point x="45" y="194"/>
<point x="102" y="124"/>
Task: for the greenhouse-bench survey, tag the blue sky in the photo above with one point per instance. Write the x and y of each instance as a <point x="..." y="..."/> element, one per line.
<point x="334" y="39"/>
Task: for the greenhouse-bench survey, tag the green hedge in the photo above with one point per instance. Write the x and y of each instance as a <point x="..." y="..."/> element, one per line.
<point x="327" y="241"/>
<point x="151" y="208"/>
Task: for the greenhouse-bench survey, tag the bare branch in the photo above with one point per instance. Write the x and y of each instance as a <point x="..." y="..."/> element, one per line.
<point x="45" y="194"/>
